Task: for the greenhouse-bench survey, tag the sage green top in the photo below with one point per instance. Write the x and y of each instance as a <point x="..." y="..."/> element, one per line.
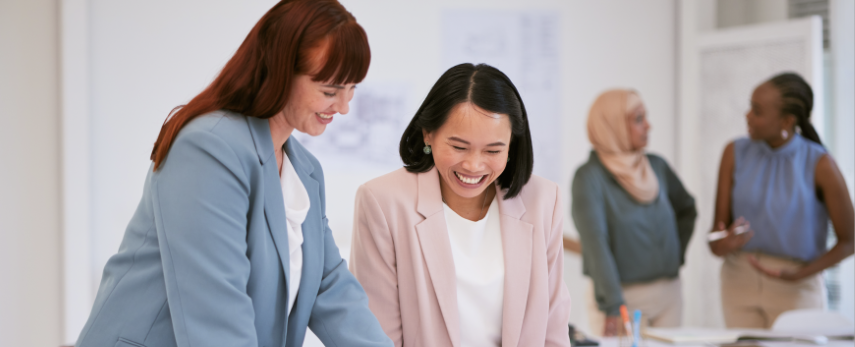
<point x="624" y="241"/>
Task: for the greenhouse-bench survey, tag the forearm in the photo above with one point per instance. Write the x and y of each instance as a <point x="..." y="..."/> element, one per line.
<point x="840" y="251"/>
<point x="608" y="291"/>
<point x="341" y="315"/>
<point x="718" y="250"/>
<point x="600" y="266"/>
<point x="685" y="228"/>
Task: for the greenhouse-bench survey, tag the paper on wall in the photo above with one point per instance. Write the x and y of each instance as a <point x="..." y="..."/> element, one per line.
<point x="525" y="46"/>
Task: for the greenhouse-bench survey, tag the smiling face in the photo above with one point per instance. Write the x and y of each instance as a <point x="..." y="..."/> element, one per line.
<point x="637" y="122"/>
<point x="470" y="151"/>
<point x="312" y="105"/>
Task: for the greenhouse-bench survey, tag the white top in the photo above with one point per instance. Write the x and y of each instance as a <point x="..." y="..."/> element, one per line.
<point x="479" y="264"/>
<point x="296" y="207"/>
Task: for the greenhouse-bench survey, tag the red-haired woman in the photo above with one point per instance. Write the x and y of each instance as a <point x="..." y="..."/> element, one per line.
<point x="230" y="245"/>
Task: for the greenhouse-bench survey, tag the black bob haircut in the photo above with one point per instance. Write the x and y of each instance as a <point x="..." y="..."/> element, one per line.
<point x="487" y="88"/>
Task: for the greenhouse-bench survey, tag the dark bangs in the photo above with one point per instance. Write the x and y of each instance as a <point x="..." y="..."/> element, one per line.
<point x="488" y="88"/>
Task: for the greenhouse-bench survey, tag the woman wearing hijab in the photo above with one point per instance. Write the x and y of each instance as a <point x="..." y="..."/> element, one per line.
<point x="633" y="216"/>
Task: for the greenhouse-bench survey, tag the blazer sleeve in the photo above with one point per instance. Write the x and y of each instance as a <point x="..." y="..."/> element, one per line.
<point x="340" y="315"/>
<point x="373" y="263"/>
<point x="557" y="332"/>
<point x="201" y="199"/>
<point x="589" y="215"/>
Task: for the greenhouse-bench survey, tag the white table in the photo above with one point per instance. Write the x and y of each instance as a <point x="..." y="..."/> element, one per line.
<point x="647" y="342"/>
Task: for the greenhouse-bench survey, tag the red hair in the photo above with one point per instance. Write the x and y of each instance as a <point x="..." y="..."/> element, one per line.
<point x="290" y="39"/>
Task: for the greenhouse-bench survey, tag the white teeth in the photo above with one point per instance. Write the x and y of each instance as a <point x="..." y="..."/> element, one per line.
<point x="324" y="116"/>
<point x="469" y="180"/>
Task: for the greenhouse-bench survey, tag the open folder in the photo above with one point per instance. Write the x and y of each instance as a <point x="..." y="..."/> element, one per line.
<point x="716" y="336"/>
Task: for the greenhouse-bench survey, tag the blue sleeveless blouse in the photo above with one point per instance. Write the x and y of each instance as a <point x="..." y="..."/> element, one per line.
<point x="774" y="190"/>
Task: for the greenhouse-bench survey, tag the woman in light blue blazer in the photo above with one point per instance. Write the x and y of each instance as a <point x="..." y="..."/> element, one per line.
<point x="230" y="245"/>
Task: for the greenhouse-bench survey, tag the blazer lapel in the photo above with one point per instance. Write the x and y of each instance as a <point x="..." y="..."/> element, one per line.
<point x="517" y="247"/>
<point x="313" y="236"/>
<point x="274" y="205"/>
<point x="436" y="248"/>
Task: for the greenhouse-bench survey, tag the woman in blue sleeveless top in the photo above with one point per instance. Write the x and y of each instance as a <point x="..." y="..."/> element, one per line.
<point x="777" y="189"/>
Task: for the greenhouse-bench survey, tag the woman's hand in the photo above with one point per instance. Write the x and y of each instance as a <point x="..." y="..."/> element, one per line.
<point x="733" y="241"/>
<point x="613" y="326"/>
<point x="786" y="275"/>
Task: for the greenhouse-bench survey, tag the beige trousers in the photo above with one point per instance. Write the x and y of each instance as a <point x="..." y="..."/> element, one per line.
<point x="660" y="302"/>
<point x="751" y="299"/>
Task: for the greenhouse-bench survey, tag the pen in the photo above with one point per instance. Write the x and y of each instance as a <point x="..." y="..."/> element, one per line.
<point x="636" y="328"/>
<point x="626" y="324"/>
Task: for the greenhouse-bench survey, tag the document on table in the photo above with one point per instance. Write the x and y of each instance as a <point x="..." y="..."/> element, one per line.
<point x="704" y="335"/>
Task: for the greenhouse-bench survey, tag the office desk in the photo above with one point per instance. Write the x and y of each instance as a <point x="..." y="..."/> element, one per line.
<point x="614" y="342"/>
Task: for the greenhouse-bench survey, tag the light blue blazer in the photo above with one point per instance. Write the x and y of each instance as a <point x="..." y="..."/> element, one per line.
<point x="205" y="258"/>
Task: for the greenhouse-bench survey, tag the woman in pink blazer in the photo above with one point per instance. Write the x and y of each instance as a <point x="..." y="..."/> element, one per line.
<point x="463" y="246"/>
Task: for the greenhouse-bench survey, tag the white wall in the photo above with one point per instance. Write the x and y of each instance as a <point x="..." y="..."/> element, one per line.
<point x="842" y="22"/>
<point x="30" y="287"/>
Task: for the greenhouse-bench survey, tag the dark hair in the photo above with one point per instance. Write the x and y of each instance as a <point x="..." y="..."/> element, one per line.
<point x="487" y="88"/>
<point x="257" y="79"/>
<point x="797" y="100"/>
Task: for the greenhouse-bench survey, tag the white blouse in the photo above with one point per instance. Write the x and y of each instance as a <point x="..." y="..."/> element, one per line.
<point x="297" y="205"/>
<point x="479" y="264"/>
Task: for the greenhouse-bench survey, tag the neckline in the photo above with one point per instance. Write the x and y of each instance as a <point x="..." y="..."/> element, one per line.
<point x="786" y="148"/>
<point x="474" y="223"/>
<point x="299" y="204"/>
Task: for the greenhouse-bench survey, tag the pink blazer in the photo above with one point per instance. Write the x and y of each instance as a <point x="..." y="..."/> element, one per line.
<point x="402" y="257"/>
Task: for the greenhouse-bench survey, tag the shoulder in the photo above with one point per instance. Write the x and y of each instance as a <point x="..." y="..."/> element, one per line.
<point x="539" y="186"/>
<point x="222" y="123"/>
<point x="590" y="172"/>
<point x="656" y="161"/>
<point x="738" y="145"/>
<point x="814" y="149"/>
<point x="228" y="128"/>
<point x="539" y="191"/>
<point x="659" y="164"/>
<point x="731" y="146"/>
<point x="728" y="155"/>
<point x="541" y="199"/>
<point x="393" y="186"/>
<point x="740" y="142"/>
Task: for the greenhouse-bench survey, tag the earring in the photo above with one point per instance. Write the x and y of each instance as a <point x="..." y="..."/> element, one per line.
<point x="426" y="149"/>
<point x="509" y="159"/>
<point x="785" y="134"/>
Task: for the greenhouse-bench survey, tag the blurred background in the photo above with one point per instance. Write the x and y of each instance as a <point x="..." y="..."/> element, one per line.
<point x="86" y="84"/>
